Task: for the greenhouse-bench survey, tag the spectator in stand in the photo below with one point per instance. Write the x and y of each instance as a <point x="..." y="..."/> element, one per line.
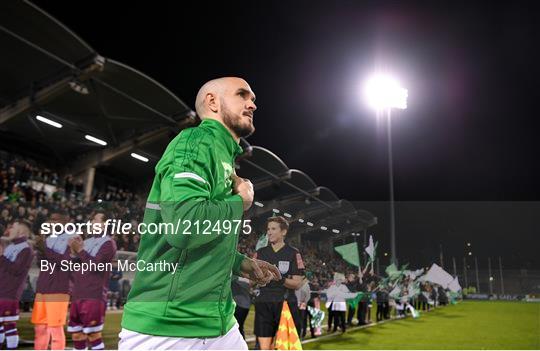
<point x="21" y="213"/>
<point x="79" y="186"/>
<point x="135" y="242"/>
<point x="5" y="218"/>
<point x="68" y="184"/>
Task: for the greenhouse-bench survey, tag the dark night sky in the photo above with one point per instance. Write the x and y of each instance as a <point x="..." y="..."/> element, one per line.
<point x="469" y="133"/>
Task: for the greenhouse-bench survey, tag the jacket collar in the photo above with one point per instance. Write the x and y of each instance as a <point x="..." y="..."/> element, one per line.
<point x="223" y="133"/>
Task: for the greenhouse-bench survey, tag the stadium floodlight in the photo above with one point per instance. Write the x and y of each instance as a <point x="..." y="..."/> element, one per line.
<point x="470" y="253"/>
<point x="275" y="210"/>
<point x="468" y="244"/>
<point x="301" y="220"/>
<point x="382" y="92"/>
<point x="309" y="224"/>
<point x="258" y="204"/>
<point x="139" y="157"/>
<point x="95" y="140"/>
<point x="335" y="231"/>
<point x="324" y="228"/>
<point x="48" y="121"/>
<point x="288" y="215"/>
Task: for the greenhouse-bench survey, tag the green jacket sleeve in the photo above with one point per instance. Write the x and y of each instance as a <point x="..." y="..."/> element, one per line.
<point x="187" y="189"/>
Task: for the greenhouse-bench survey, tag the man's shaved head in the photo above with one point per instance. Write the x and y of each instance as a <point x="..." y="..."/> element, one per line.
<point x="229" y="100"/>
<point x="214" y="86"/>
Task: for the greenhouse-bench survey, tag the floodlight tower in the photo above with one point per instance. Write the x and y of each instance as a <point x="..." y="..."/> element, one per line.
<point x="384" y="93"/>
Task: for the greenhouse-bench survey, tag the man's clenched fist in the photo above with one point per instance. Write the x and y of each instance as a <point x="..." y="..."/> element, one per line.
<point x="244" y="188"/>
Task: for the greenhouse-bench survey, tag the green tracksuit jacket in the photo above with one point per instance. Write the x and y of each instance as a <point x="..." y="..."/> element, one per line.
<point x="192" y="183"/>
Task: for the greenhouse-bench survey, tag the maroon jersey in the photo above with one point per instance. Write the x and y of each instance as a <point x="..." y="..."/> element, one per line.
<point x="14" y="266"/>
<point x="93" y="284"/>
<point x="57" y="280"/>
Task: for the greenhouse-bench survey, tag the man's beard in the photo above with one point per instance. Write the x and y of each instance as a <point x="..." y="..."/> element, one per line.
<point x="234" y="123"/>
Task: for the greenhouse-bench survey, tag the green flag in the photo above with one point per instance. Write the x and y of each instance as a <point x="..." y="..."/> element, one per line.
<point x="354" y="302"/>
<point x="392" y="272"/>
<point x="349" y="252"/>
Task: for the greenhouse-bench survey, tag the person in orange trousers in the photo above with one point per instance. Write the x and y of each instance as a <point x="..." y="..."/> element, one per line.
<point x="52" y="288"/>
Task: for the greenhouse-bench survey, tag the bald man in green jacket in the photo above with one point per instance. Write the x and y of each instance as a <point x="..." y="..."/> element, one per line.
<point x="197" y="202"/>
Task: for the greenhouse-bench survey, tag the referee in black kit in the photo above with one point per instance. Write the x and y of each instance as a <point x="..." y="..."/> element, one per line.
<point x="270" y="300"/>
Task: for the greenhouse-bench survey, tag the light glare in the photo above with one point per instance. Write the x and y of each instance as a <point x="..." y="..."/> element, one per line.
<point x="384" y="92"/>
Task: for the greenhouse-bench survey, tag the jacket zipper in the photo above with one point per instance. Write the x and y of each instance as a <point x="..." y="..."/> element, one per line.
<point x="174" y="283"/>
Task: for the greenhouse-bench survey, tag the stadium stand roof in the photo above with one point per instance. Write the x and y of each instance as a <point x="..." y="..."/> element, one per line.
<point x="293" y="194"/>
<point x="49" y="71"/>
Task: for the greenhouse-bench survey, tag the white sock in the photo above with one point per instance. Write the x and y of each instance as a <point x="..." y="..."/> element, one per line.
<point x="12" y="341"/>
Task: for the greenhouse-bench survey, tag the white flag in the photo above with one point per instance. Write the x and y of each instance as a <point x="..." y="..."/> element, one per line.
<point x="263" y="242"/>
<point x="454" y="285"/>
<point x="395" y="293"/>
<point x="370" y="249"/>
<point x="437" y="275"/>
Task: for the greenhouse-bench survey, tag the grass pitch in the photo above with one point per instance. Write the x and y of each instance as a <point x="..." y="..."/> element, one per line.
<point x="467" y="325"/>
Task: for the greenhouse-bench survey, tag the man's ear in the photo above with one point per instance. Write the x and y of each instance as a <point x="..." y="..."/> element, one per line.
<point x="212" y="102"/>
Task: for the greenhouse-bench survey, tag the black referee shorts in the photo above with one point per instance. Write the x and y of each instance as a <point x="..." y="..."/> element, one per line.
<point x="268" y="314"/>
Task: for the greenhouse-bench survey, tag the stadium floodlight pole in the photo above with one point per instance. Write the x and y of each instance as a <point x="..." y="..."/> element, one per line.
<point x="490" y="277"/>
<point x="384" y="93"/>
<point x="465" y="272"/>
<point x="501" y="275"/>
<point x="477" y="280"/>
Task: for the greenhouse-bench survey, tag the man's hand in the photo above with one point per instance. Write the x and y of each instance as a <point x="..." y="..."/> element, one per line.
<point x="244" y="188"/>
<point x="76" y="244"/>
<point x="260" y="272"/>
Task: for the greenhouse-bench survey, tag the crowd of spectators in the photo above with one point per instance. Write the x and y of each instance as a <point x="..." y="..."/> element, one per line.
<point x="31" y="191"/>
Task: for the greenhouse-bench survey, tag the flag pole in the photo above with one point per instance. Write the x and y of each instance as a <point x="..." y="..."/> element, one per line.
<point x="360" y="275"/>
